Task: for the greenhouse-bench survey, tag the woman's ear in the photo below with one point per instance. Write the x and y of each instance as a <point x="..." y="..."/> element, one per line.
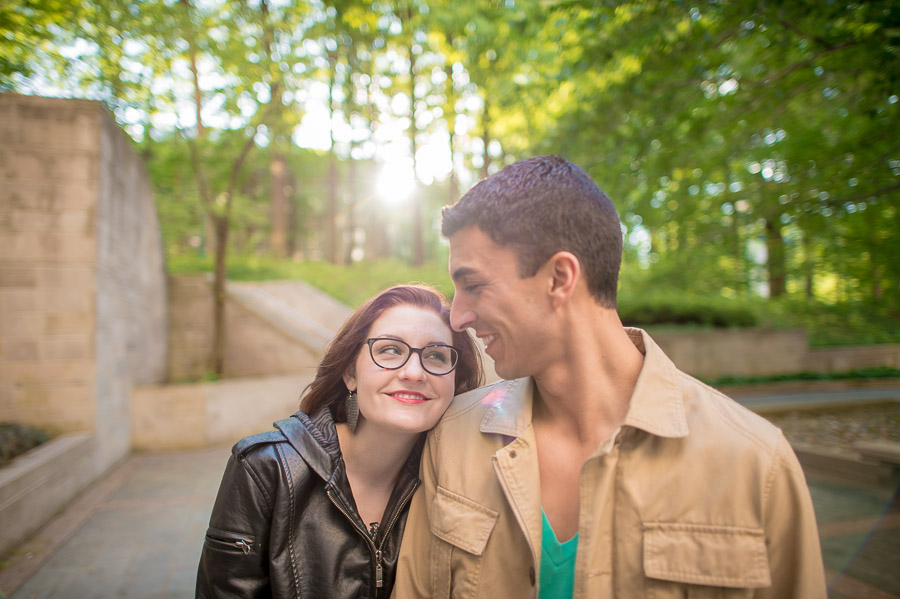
<point x="350" y="380"/>
<point x="565" y="271"/>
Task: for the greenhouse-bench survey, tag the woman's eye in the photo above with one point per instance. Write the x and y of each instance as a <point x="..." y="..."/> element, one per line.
<point x="390" y="350"/>
<point x="437" y="356"/>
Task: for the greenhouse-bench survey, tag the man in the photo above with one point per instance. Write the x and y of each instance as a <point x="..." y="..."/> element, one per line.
<point x="597" y="468"/>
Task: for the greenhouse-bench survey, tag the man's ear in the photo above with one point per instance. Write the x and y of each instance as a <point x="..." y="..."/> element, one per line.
<point x="564" y="271"/>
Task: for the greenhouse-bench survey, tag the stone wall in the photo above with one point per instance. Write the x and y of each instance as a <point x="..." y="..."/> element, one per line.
<point x="34" y="485"/>
<point x="190" y="327"/>
<point x="200" y="414"/>
<point x="253" y="345"/>
<point x="759" y="352"/>
<point x="130" y="275"/>
<point x="82" y="284"/>
<point x="741" y="352"/>
<point x="842" y="359"/>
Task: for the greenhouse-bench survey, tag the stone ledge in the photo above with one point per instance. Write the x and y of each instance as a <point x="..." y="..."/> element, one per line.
<point x="193" y="415"/>
<point x="779" y="387"/>
<point x="38" y="483"/>
<point x="848" y="466"/>
<point x="882" y="451"/>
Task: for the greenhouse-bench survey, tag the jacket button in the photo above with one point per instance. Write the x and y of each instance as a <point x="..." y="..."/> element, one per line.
<point x="512" y="453"/>
<point x="531" y="575"/>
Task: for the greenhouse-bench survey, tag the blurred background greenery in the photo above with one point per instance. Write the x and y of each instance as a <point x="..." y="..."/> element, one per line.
<point x="751" y="147"/>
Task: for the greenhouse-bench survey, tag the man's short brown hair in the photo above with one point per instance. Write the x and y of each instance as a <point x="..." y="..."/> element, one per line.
<point x="541" y="206"/>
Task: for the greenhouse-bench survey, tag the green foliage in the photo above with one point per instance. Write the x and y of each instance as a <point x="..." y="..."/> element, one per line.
<point x="851" y="323"/>
<point x="879" y="372"/>
<point x="27" y="28"/>
<point x="758" y="135"/>
<point x="834" y="324"/>
<point x="679" y="309"/>
<point x="16" y="439"/>
<point x="750" y="147"/>
<point x="351" y="284"/>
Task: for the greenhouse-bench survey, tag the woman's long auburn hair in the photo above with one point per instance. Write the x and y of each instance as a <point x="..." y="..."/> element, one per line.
<point x="328" y="388"/>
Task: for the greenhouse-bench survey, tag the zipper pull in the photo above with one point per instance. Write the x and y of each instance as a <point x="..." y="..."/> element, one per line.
<point x="373" y="530"/>
<point x="379" y="573"/>
<point x="244" y="546"/>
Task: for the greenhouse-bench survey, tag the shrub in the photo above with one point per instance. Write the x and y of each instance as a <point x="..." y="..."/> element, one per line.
<point x="16" y="439"/>
<point x="685" y="310"/>
<point x="874" y="372"/>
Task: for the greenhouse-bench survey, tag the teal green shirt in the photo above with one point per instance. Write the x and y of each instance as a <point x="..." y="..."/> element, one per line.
<point x="557" y="563"/>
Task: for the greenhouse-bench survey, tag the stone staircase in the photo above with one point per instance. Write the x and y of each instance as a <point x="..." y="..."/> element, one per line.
<point x="299" y="310"/>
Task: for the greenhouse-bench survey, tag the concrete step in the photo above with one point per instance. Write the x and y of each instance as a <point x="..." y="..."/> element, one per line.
<point x="298" y="309"/>
<point x="847" y="467"/>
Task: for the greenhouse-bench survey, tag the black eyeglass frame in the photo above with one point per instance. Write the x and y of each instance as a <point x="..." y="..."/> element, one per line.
<point x="414" y="350"/>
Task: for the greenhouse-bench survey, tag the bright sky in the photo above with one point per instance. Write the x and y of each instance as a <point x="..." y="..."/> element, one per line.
<point x="389" y="144"/>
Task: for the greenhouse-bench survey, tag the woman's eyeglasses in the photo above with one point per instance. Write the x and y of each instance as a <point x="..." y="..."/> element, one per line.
<point x="391" y="354"/>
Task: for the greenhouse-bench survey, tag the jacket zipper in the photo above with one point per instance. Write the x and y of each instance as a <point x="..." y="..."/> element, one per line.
<point x="372" y="532"/>
<point x="230" y="541"/>
<point x="379" y="570"/>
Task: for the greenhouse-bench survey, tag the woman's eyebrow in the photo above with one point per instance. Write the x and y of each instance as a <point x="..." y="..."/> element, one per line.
<point x="401" y="338"/>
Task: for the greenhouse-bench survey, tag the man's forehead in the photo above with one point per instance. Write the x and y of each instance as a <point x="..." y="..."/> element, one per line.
<point x="474" y="253"/>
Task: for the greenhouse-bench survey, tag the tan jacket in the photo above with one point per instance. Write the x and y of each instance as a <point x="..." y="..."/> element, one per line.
<point x="696" y="496"/>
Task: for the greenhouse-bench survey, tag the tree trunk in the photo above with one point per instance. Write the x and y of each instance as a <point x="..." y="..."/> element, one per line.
<point x="775" y="247"/>
<point x="808" y="267"/>
<point x="291" y="229"/>
<point x="418" y="253"/>
<point x="877" y="285"/>
<point x="740" y="262"/>
<point x="486" y="139"/>
<point x="351" y="209"/>
<point x="453" y="187"/>
<point x="198" y="98"/>
<point x="331" y="248"/>
<point x="279" y="209"/>
<point x="192" y="56"/>
<point x="217" y="364"/>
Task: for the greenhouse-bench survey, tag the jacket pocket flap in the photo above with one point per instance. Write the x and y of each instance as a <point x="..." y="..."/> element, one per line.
<point x="725" y="556"/>
<point x="461" y="521"/>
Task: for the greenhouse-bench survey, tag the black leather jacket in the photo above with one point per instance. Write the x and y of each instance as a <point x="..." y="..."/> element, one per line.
<point x="285" y="523"/>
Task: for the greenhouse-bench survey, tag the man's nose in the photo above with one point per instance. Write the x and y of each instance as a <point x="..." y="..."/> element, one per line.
<point x="461" y="317"/>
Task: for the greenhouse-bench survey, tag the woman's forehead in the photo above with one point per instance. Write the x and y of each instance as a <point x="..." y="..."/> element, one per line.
<point x="411" y="324"/>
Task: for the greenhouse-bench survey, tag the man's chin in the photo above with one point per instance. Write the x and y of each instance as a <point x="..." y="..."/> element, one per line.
<point x="509" y="371"/>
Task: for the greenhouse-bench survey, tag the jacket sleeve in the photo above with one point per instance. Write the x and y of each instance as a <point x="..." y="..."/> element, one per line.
<point x="413" y="565"/>
<point x="792" y="538"/>
<point x="234" y="561"/>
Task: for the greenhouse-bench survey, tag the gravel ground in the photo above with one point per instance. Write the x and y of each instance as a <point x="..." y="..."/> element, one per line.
<point x="841" y="428"/>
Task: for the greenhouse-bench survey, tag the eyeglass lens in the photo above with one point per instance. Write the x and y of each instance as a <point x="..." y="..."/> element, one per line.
<point x="393" y="353"/>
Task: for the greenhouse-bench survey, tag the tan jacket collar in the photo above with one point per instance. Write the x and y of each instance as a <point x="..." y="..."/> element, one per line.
<point x="656" y="403"/>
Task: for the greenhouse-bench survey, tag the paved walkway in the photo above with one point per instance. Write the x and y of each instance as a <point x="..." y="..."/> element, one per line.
<point x="137" y="534"/>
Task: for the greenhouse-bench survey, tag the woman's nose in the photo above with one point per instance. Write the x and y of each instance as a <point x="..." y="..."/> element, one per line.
<point x="413" y="368"/>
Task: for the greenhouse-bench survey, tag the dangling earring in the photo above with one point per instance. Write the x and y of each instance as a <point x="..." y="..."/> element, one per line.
<point x="352" y="411"/>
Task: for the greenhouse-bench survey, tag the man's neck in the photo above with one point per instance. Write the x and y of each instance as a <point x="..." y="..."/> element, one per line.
<point x="587" y="393"/>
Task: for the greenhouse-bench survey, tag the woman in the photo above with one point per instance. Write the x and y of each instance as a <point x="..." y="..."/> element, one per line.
<point x="317" y="508"/>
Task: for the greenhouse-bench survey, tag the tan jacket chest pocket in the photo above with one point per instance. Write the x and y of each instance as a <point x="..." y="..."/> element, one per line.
<point x="704" y="561"/>
<point x="460" y="531"/>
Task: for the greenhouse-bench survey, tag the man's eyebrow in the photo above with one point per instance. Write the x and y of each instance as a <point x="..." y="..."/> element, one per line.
<point x="461" y="272"/>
